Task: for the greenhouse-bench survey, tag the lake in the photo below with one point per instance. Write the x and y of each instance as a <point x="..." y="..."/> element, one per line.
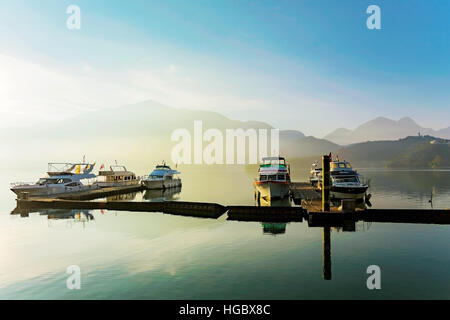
<point x="131" y="255"/>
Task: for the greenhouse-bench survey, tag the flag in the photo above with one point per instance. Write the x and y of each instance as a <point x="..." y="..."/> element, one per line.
<point x="102" y="166"/>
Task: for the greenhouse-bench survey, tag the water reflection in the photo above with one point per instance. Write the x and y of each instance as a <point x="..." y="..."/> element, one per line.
<point x="69" y="215"/>
<point x="326" y="253"/>
<point x="123" y="197"/>
<point x="273" y="228"/>
<point x="162" y="195"/>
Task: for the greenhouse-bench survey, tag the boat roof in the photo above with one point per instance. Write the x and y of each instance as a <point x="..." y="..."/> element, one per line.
<point x="163" y="169"/>
<point x="64" y="169"/>
<point x="116" y="170"/>
<point x="162" y="172"/>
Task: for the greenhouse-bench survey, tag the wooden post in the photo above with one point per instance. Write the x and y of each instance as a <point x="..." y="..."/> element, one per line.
<point x="325" y="183"/>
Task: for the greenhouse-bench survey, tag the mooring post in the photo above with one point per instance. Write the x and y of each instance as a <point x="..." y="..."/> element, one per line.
<point x="325" y="183"/>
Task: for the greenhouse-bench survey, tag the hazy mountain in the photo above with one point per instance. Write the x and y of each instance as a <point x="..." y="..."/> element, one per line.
<point x="136" y="132"/>
<point x="443" y="133"/>
<point x="413" y="151"/>
<point x="306" y="147"/>
<point x="383" y="129"/>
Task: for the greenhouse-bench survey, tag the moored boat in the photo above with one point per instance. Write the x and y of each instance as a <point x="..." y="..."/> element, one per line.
<point x="346" y="182"/>
<point x="274" y="179"/>
<point x="117" y="176"/>
<point x="61" y="178"/>
<point x="315" y="174"/>
<point x="162" y="177"/>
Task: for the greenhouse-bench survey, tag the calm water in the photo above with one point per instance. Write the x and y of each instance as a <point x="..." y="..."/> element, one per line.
<point x="129" y="255"/>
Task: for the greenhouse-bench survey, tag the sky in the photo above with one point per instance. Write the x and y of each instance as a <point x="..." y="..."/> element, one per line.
<point x="312" y="66"/>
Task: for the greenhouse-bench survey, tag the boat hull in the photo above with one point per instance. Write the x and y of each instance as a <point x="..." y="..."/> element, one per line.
<point x="161" y="184"/>
<point x="272" y="190"/>
<point x="109" y="184"/>
<point x="49" y="191"/>
<point x="348" y="192"/>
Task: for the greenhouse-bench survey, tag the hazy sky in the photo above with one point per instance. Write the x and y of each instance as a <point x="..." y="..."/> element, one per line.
<point x="293" y="64"/>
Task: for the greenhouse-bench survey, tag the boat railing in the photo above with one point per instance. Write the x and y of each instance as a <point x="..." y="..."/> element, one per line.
<point x="19" y="183"/>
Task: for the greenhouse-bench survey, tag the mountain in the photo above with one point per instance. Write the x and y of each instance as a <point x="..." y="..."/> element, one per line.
<point x="412" y="151"/>
<point x="306" y="147"/>
<point x="383" y="128"/>
<point x="443" y="133"/>
<point x="424" y="155"/>
<point x="133" y="133"/>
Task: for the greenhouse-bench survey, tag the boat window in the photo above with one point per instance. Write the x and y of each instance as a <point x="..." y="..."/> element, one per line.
<point x="263" y="178"/>
<point x="280" y="162"/>
<point x="273" y="177"/>
<point x="46" y="181"/>
<point x="281" y="177"/>
<point x="73" y="184"/>
<point x="59" y="181"/>
<point x="349" y="165"/>
<point x="347" y="179"/>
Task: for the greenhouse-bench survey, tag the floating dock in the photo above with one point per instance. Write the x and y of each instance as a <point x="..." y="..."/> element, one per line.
<point x="301" y="192"/>
<point x="266" y="214"/>
<point x="195" y="209"/>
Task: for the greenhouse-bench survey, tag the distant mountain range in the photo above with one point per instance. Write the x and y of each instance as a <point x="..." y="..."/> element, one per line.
<point x="142" y="132"/>
<point x="383" y="129"/>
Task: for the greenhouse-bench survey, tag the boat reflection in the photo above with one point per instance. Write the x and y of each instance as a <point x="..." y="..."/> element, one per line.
<point x="74" y="215"/>
<point x="161" y="195"/>
<point x="123" y="197"/>
<point x="274" y="228"/>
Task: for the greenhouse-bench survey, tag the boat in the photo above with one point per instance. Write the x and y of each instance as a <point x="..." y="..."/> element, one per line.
<point x="315" y="174"/>
<point x="346" y="182"/>
<point x="117" y="176"/>
<point x="274" y="179"/>
<point x="61" y="178"/>
<point x="162" y="177"/>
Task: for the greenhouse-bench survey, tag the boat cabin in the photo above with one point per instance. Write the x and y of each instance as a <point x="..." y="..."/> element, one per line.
<point x="116" y="175"/>
<point x="274" y="169"/>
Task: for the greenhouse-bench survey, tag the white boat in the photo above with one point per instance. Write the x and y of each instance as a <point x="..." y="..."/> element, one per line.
<point x="61" y="178"/>
<point x="315" y="174"/>
<point x="274" y="179"/>
<point x="163" y="177"/>
<point x="117" y="176"/>
<point x="345" y="182"/>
